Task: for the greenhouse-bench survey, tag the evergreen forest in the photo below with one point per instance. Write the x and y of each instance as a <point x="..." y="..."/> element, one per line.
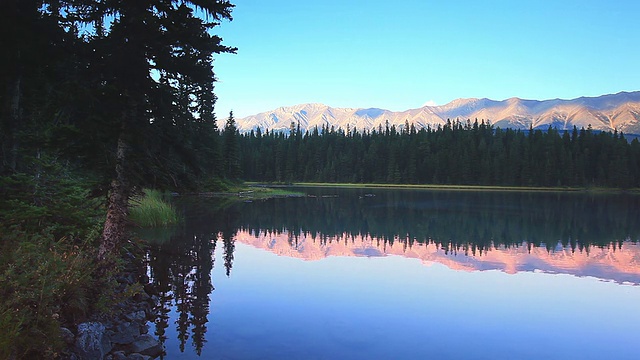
<point x="458" y="153"/>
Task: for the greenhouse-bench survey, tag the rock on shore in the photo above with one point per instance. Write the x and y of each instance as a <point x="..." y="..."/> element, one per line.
<point x="121" y="336"/>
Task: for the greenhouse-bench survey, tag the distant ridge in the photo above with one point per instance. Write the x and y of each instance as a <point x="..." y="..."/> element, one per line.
<point x="619" y="111"/>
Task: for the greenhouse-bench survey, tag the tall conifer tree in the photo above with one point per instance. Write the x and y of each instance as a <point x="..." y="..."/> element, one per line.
<point x="231" y="148"/>
<point x="153" y="62"/>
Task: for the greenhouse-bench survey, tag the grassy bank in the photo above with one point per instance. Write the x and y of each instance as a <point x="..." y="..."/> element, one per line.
<point x="466" y="187"/>
<point x="255" y="191"/>
<point x="261" y="192"/>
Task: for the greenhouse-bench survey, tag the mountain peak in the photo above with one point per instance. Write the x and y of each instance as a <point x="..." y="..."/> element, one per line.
<point x="371" y="112"/>
<point x="619" y="111"/>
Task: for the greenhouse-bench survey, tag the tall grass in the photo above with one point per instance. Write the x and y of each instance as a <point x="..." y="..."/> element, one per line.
<point x="151" y="210"/>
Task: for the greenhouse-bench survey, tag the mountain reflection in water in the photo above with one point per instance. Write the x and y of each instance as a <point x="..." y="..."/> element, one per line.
<point x="577" y="234"/>
<point x="620" y="264"/>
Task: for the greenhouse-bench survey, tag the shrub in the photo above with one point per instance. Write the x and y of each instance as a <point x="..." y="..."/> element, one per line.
<point x="46" y="283"/>
<point x="48" y="230"/>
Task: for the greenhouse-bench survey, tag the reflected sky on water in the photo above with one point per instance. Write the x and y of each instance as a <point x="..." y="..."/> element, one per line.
<point x="397" y="275"/>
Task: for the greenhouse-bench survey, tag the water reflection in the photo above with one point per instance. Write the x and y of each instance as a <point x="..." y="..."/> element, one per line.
<point x="180" y="267"/>
<point x="578" y="234"/>
<point x="453" y="219"/>
<point x="620" y="264"/>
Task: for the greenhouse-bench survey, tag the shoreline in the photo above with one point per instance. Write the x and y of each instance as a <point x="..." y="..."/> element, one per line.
<point x="432" y="187"/>
<point x="123" y="331"/>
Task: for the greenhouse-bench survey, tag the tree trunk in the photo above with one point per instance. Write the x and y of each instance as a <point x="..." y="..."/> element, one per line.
<point x="118" y="205"/>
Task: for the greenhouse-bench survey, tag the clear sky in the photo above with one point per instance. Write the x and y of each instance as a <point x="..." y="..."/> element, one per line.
<point x="402" y="54"/>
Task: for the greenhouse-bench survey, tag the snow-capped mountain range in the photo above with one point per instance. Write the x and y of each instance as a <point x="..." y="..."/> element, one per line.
<point x="619" y="111"/>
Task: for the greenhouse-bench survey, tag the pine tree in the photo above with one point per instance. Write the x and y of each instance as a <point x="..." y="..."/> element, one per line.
<point x="231" y="149"/>
<point x="36" y="68"/>
<point x="153" y="63"/>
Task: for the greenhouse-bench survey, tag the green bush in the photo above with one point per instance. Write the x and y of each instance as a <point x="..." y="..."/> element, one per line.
<point x="46" y="284"/>
<point x="151" y="210"/>
<point x="48" y="233"/>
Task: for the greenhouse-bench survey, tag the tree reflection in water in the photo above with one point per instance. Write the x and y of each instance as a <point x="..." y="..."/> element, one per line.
<point x="180" y="270"/>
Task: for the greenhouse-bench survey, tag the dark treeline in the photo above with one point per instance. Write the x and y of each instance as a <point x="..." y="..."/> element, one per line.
<point x="84" y="92"/>
<point x="461" y="153"/>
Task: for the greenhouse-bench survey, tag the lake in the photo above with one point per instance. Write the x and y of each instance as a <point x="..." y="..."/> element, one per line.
<point x="401" y="274"/>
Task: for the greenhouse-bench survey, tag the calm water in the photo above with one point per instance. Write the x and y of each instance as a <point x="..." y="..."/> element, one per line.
<point x="389" y="274"/>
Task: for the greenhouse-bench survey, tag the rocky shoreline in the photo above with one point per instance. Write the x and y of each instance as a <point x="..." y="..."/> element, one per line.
<point x="124" y="333"/>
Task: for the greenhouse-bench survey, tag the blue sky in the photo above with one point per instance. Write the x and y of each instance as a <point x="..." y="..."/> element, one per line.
<point x="401" y="54"/>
